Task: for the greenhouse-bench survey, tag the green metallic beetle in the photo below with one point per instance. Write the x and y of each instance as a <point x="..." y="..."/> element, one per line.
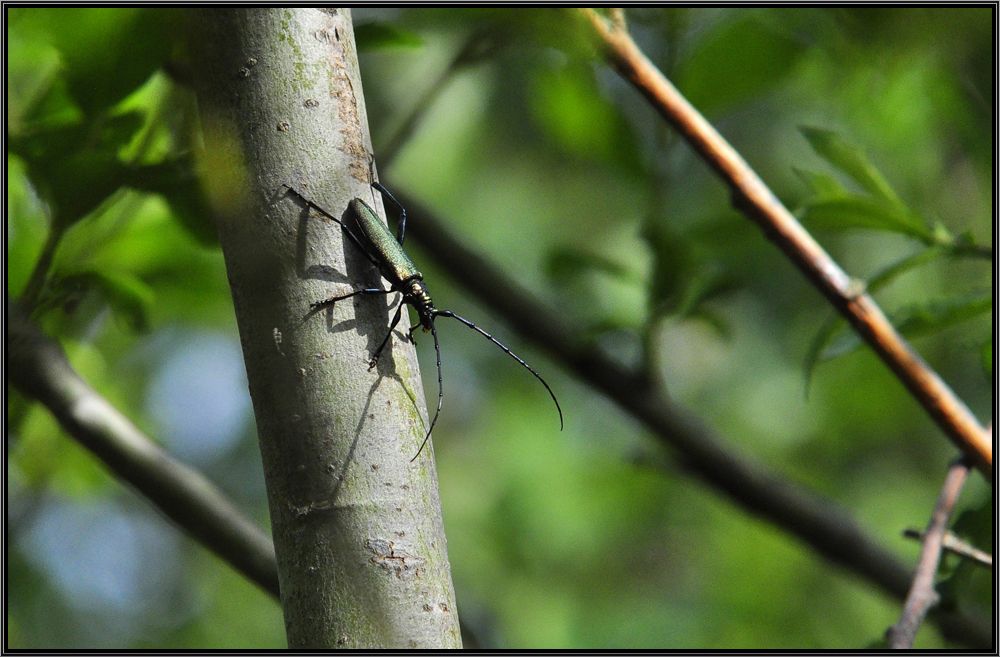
<point x="386" y="252"/>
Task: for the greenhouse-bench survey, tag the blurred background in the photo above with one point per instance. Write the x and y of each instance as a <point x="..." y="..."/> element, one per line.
<point x="874" y="125"/>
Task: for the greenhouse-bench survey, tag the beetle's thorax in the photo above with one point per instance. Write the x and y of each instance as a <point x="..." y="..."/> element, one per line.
<point x="415" y="293"/>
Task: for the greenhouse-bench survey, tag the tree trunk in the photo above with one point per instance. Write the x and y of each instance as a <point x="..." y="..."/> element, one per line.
<point x="362" y="560"/>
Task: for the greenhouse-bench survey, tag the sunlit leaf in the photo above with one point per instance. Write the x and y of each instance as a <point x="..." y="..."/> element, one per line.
<point x="108" y="52"/>
<point x="177" y="181"/>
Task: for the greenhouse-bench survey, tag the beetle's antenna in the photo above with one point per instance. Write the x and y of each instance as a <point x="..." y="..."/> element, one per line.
<point x="448" y="313"/>
<point x="437" y="350"/>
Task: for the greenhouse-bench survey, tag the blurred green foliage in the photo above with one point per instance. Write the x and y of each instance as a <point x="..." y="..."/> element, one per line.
<point x="542" y="158"/>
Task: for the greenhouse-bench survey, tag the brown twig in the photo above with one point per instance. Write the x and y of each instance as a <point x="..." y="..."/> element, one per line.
<point x="955" y="545"/>
<point x="38" y="367"/>
<point x="922" y="595"/>
<point x="753" y="198"/>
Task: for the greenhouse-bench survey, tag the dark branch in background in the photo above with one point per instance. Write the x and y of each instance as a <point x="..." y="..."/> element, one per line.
<point x="922" y="595"/>
<point x="753" y="198"/>
<point x="955" y="545"/>
<point x="818" y="523"/>
<point x="39" y="369"/>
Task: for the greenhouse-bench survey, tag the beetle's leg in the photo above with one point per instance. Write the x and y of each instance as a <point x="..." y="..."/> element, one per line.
<point x="401" y="231"/>
<point x="332" y="300"/>
<point x="409" y="334"/>
<point x="392" y="326"/>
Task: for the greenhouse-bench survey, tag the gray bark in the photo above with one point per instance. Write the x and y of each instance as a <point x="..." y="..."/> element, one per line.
<point x="362" y="559"/>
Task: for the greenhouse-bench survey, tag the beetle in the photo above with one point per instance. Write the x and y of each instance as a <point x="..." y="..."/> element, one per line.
<point x="385" y="251"/>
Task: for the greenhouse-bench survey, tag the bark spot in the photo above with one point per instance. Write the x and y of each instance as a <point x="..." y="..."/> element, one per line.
<point x="394" y="560"/>
<point x="277" y="337"/>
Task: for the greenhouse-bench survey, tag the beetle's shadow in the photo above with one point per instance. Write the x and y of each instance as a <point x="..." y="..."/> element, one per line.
<point x="371" y="312"/>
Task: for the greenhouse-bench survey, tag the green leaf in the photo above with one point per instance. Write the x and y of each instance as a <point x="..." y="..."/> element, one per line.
<point x="716" y="321"/>
<point x="178" y="183"/>
<point x="570" y="110"/>
<point x="740" y="59"/>
<point x="702" y="287"/>
<point x="851" y="160"/>
<point x="127" y="295"/>
<point x="32" y="76"/>
<point x="567" y="263"/>
<point x="77" y="167"/>
<point x="107" y="52"/>
<point x="918" y="320"/>
<point x="986" y="354"/>
<point x="858" y="212"/>
<point x="673" y="262"/>
<point x="835" y="324"/>
<point x="885" y="276"/>
<point x="822" y="185"/>
<point x="922" y="319"/>
<point x="818" y="344"/>
<point x="975" y="526"/>
<point x="381" y="36"/>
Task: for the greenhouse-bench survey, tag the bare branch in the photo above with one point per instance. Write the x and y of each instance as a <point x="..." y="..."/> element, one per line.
<point x="955" y="545"/>
<point x="922" y="595"/>
<point x="752" y="197"/>
<point x="38" y="367"/>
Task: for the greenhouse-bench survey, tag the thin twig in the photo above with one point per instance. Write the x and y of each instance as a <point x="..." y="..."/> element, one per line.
<point x="38" y="367"/>
<point x="753" y="198"/>
<point x="820" y="524"/>
<point x="922" y="595"/>
<point x="955" y="545"/>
